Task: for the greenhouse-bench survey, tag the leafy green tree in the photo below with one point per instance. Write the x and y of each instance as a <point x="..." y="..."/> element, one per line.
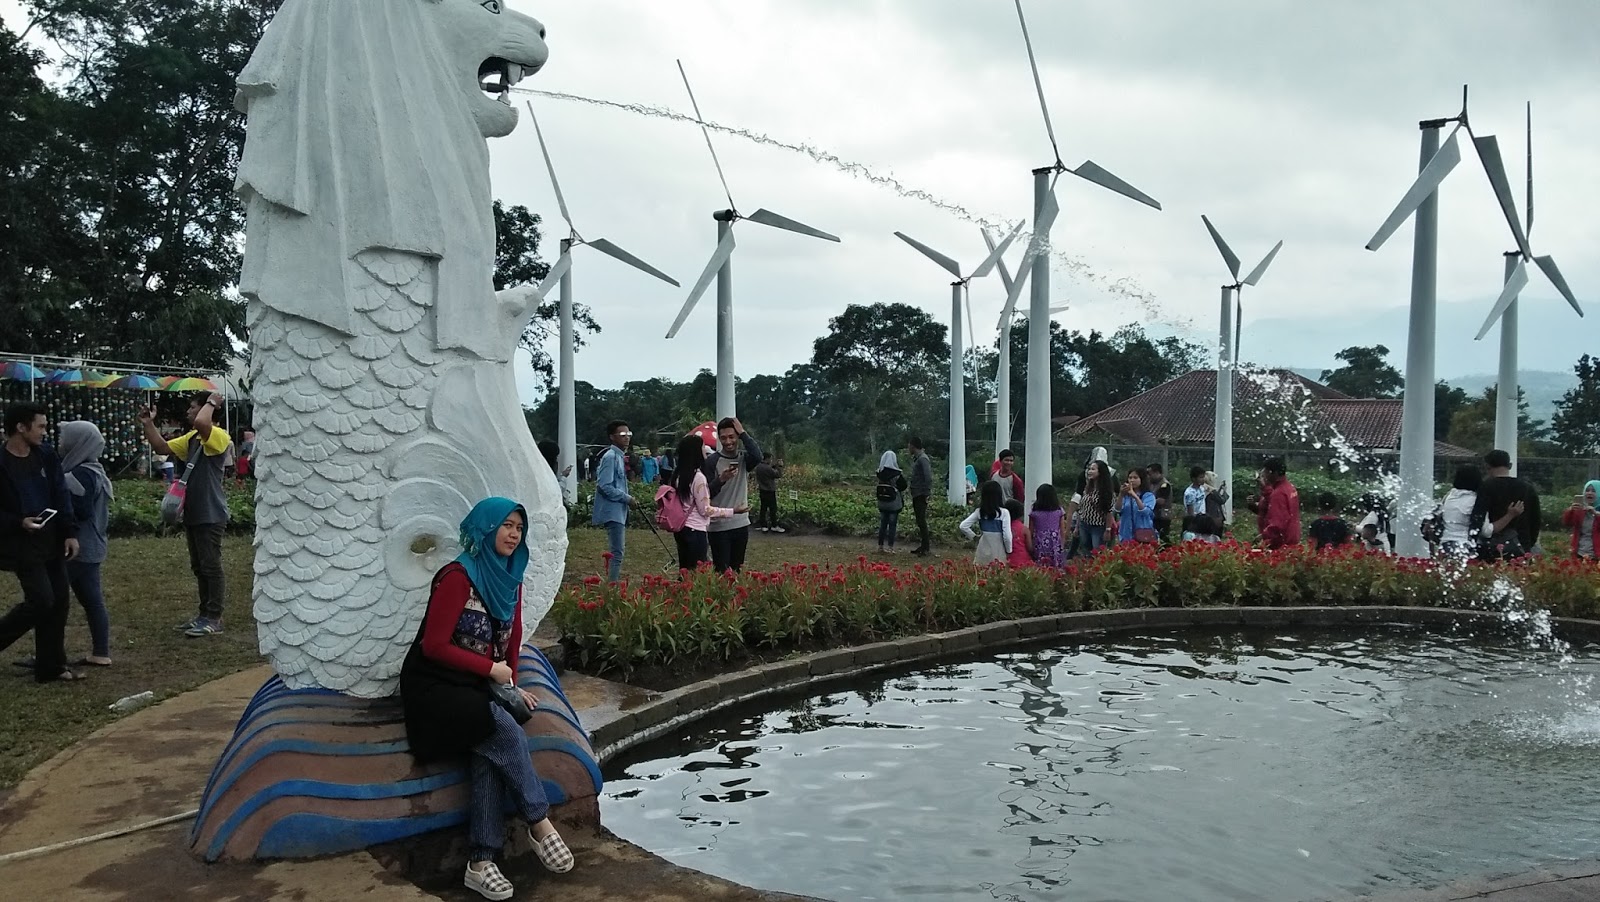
<point x="1365" y="373"/>
<point x="1576" y="424"/>
<point x="1472" y="426"/>
<point x="1447" y="400"/>
<point x="885" y="368"/>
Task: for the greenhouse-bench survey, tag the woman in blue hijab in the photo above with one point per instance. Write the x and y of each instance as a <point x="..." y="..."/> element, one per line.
<point x="470" y="638"/>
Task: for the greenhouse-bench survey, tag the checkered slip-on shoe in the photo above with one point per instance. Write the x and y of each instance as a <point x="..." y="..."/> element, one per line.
<point x="553" y="852"/>
<point x="488" y="883"/>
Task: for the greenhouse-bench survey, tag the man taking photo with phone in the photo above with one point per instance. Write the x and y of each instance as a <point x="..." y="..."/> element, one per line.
<point x="37" y="538"/>
<point x="202" y="455"/>
<point x="728" y="471"/>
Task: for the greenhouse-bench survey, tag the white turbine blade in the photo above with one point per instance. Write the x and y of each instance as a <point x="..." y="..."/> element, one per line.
<point x="996" y="252"/>
<point x="1261" y="269"/>
<point x="707" y="133"/>
<point x="1036" y="247"/>
<point x="557" y="270"/>
<point x="1062" y="309"/>
<point x="950" y="266"/>
<point x="1547" y="265"/>
<point x="1494" y="167"/>
<point x="611" y="250"/>
<point x="1012" y="294"/>
<point x="1038" y="86"/>
<point x="1093" y="172"/>
<point x="1530" y="171"/>
<point x="1427" y="182"/>
<point x="1514" y="286"/>
<point x="769" y="218"/>
<point x="561" y="200"/>
<point x="1005" y="273"/>
<point x="719" y="257"/>
<point x="1228" y="256"/>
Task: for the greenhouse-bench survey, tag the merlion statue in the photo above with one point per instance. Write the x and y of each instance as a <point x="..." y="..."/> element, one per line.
<point x="385" y="407"/>
<point x="380" y="353"/>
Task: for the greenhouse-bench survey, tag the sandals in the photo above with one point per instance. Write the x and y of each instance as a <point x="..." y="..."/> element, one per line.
<point x="552" y="851"/>
<point x="92" y="662"/>
<point x="66" y="676"/>
<point x="488" y="882"/>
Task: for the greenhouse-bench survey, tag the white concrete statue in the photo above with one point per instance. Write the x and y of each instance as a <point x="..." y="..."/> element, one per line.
<point x="380" y="353"/>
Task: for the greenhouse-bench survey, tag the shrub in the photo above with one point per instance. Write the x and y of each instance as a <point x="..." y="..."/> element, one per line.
<point x="703" y="619"/>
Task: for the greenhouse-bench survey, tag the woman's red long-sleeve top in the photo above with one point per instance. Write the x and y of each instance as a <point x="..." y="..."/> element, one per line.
<point x="450" y="628"/>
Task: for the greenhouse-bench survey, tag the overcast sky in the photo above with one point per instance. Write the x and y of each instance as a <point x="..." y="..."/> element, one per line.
<point x="1278" y="119"/>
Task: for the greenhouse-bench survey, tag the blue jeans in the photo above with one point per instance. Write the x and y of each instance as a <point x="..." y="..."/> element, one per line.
<point x="888" y="528"/>
<point x="85" y="581"/>
<point x="616" y="537"/>
<point x="501" y="773"/>
<point x="1090" y="538"/>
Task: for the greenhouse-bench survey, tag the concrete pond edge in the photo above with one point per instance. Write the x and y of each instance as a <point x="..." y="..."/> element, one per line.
<point x="664" y="713"/>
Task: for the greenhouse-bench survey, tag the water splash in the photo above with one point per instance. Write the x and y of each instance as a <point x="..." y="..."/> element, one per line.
<point x="1123" y="287"/>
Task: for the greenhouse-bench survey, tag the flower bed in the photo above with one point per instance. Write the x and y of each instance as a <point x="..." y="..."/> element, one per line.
<point x="706" y="620"/>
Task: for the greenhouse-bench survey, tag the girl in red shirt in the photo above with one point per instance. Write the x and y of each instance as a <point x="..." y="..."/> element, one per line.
<point x="470" y="635"/>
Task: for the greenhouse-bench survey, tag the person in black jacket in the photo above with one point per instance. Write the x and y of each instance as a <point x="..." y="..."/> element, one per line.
<point x="1499" y="491"/>
<point x="37" y="537"/>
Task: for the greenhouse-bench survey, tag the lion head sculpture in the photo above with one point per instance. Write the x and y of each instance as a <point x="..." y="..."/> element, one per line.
<point x="397" y="85"/>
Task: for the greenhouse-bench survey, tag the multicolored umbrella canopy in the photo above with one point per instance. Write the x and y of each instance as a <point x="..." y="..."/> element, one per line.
<point x="65" y="377"/>
<point x="192" y="383"/>
<point x="168" y="380"/>
<point x="22" y="372"/>
<point x="136" y="381"/>
<point x="104" y="380"/>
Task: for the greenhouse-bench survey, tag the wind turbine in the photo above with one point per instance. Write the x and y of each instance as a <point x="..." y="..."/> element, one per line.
<point x="1228" y="351"/>
<point x="1002" y="390"/>
<point x="561" y="272"/>
<point x="1505" y="308"/>
<point x="957" y="490"/>
<point x="1039" y="461"/>
<point x="1421" y="199"/>
<point x="721" y="267"/>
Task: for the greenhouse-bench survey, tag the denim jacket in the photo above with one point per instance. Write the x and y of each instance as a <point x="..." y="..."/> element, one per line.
<point x="611" y="489"/>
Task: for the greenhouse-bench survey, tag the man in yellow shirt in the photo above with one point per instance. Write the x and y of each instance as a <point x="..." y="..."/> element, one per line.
<point x="205" y="506"/>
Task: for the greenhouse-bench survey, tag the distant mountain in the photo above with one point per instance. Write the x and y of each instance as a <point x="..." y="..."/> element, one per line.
<point x="1543" y="388"/>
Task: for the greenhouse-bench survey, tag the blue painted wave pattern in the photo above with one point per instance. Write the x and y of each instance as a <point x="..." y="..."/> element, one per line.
<point x="312" y="772"/>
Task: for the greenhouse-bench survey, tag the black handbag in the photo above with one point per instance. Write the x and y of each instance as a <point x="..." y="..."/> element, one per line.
<point x="509" y="697"/>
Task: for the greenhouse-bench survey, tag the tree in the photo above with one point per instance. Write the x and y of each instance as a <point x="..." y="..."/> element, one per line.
<point x="1472" y="426"/>
<point x="144" y="142"/>
<point x="885" y="368"/>
<point x="1365" y="373"/>
<point x="1576" y="424"/>
<point x="1447" y="400"/>
<point x="516" y="262"/>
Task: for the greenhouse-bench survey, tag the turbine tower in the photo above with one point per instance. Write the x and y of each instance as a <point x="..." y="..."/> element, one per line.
<point x="1228" y="352"/>
<point x="561" y="273"/>
<point x="721" y="267"/>
<point x="957" y="492"/>
<point x="1039" y="462"/>
<point x="1421" y="199"/>
<point x="1505" y="308"/>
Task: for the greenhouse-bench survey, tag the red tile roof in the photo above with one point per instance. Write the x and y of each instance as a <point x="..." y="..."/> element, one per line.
<point x="1183" y="411"/>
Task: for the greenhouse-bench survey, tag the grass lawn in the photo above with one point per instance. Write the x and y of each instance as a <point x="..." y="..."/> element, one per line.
<point x="149" y="590"/>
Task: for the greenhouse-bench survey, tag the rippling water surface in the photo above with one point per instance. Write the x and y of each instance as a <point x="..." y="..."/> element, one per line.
<point x="1204" y="767"/>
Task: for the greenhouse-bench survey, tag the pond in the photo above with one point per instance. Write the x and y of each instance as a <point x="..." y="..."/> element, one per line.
<point x="1201" y="766"/>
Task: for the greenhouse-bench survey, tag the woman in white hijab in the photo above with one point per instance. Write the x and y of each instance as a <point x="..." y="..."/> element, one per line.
<point x="891" y="500"/>
<point x="80" y="448"/>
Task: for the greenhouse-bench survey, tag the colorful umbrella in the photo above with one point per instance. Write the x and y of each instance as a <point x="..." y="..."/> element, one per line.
<point x="707" y="432"/>
<point x="22" y="372"/>
<point x="94" y="379"/>
<point x="191" y="383"/>
<point x="104" y="380"/>
<point x="136" y="381"/>
<point x="60" y="377"/>
<point x="168" y="380"/>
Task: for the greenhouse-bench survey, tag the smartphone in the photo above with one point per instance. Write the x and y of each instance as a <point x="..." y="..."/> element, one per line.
<point x="46" y="515"/>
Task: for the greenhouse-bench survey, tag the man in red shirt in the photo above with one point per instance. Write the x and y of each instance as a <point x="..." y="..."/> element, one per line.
<point x="1003" y="471"/>
<point x="1279" y="513"/>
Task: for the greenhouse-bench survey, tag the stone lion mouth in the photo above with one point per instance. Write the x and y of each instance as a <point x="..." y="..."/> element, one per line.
<point x="497" y="76"/>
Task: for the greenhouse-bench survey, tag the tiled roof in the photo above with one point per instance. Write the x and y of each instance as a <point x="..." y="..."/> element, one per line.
<point x="1183" y="411"/>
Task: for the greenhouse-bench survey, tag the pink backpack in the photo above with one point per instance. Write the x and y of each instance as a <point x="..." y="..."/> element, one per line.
<point x="670" y="512"/>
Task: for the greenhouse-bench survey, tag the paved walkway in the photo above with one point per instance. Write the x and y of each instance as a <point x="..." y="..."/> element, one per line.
<point x="153" y="763"/>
